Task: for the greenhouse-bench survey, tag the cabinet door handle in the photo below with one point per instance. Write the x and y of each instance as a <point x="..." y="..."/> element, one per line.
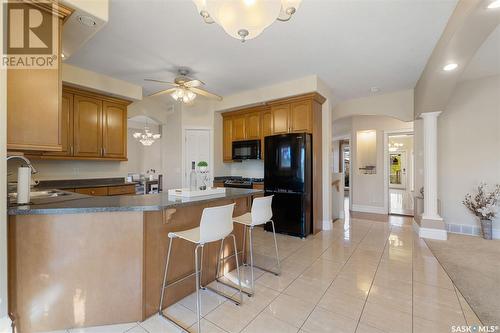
<point x="103" y="151"/>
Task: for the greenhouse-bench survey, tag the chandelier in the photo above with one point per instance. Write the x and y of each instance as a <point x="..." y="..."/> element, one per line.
<point x="246" y="19"/>
<point x="146" y="138"/>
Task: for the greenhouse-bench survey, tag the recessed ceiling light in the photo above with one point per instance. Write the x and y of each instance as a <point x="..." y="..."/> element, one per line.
<point x="494" y="4"/>
<point x="87" y="20"/>
<point x="450" y="67"/>
<point x="374" y="89"/>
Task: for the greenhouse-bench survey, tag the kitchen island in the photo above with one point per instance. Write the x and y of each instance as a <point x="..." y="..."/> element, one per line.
<point x="99" y="260"/>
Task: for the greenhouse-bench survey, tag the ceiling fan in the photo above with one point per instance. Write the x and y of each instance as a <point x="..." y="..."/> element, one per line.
<point x="185" y="89"/>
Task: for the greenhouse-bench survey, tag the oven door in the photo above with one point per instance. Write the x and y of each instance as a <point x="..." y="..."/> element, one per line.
<point x="246" y="150"/>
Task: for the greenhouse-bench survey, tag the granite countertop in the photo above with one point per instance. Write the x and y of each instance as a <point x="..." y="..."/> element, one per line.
<point x="81" y="183"/>
<point x="149" y="202"/>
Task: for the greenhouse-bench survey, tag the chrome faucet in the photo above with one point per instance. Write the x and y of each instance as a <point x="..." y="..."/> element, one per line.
<point x="28" y="163"/>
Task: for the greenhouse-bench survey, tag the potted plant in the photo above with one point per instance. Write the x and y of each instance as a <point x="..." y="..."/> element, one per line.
<point x="483" y="204"/>
<point x="202" y="166"/>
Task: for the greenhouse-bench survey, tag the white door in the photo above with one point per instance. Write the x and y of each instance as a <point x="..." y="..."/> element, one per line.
<point x="197" y="148"/>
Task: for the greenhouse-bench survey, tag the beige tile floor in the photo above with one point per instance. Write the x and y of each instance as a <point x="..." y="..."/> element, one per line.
<point x="364" y="275"/>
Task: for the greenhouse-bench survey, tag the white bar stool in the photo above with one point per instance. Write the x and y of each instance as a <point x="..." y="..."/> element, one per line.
<point x="260" y="214"/>
<point x="216" y="224"/>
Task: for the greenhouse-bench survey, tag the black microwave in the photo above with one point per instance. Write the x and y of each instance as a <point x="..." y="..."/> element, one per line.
<point x="246" y="150"/>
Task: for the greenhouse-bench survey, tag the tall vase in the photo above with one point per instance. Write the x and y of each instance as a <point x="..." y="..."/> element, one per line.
<point x="486" y="227"/>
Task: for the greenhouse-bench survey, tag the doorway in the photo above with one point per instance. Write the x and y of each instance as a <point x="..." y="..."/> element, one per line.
<point x="197" y="144"/>
<point x="400" y="171"/>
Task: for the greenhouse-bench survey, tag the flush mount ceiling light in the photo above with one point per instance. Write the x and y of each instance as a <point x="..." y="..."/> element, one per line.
<point x="450" y="67"/>
<point x="87" y="20"/>
<point x="146" y="138"/>
<point x="246" y="19"/>
<point x="494" y="4"/>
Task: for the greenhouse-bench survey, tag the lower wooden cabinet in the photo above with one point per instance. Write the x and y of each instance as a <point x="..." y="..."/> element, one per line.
<point x="107" y="190"/>
<point x="96" y="191"/>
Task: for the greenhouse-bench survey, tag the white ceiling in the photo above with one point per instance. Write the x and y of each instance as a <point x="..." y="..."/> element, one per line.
<point x="352" y="45"/>
<point x="486" y="61"/>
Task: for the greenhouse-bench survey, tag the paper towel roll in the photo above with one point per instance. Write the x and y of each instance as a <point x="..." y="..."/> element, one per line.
<point x="23" y="185"/>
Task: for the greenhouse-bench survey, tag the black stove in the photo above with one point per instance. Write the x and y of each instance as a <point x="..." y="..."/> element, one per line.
<point x="238" y="183"/>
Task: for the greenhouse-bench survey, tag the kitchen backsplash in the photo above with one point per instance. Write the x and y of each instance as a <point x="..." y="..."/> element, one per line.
<point x="247" y="169"/>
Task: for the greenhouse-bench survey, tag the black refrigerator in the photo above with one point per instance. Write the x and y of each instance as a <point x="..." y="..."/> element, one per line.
<point x="288" y="176"/>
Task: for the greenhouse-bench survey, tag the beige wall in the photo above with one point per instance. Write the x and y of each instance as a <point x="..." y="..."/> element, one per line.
<point x="368" y="191"/>
<point x="469" y="146"/>
<point x="91" y="80"/>
<point x="397" y="104"/>
<point x="3" y="185"/>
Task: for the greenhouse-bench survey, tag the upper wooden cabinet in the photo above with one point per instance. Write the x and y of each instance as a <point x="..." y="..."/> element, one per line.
<point x="94" y="127"/>
<point x="227" y="139"/>
<point x="301" y="116"/>
<point x="87" y="126"/>
<point x="238" y="132"/>
<point x="267" y="123"/>
<point x="66" y="127"/>
<point x="280" y="116"/>
<point x="34" y="103"/>
<point x="114" y="130"/>
<point x="252" y="126"/>
<point x="295" y="114"/>
<point x="292" y="117"/>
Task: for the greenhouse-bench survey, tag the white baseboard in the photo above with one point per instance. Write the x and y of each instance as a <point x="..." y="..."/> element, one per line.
<point x="431" y="233"/>
<point x="368" y="209"/>
<point x="327" y="224"/>
<point x="5" y="325"/>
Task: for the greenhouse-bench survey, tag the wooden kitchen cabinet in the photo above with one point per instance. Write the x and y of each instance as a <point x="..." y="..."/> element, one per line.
<point x="280" y="117"/>
<point x="66" y="127"/>
<point x="238" y="132"/>
<point x="227" y="139"/>
<point x="252" y="126"/>
<point x="93" y="127"/>
<point x="34" y="104"/>
<point x="301" y="116"/>
<point x="96" y="191"/>
<point x="114" y="130"/>
<point x="87" y="126"/>
<point x="267" y="123"/>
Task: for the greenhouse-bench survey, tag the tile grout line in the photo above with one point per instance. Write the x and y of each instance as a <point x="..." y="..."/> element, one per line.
<point x="357" y="245"/>
<point x="279" y="292"/>
<point x="374" y="275"/>
<point x="460" y="303"/>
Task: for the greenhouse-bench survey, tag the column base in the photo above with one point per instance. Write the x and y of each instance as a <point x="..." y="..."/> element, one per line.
<point x="433" y="229"/>
<point x="5" y="325"/>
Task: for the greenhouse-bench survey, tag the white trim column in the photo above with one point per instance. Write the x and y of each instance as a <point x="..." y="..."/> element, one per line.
<point x="432" y="225"/>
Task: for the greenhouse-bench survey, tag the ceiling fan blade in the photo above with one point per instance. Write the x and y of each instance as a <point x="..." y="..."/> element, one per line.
<point x="206" y="93"/>
<point x="160" y="81"/>
<point x="161" y="92"/>
<point x="194" y="83"/>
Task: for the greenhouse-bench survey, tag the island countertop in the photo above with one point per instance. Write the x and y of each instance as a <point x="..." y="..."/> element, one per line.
<point x="149" y="202"/>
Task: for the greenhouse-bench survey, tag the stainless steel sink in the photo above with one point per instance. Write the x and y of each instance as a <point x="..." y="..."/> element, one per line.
<point x="42" y="194"/>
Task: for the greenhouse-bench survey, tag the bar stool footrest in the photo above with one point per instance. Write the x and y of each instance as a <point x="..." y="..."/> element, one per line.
<point x="220" y="293"/>
<point x="249" y="293"/>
